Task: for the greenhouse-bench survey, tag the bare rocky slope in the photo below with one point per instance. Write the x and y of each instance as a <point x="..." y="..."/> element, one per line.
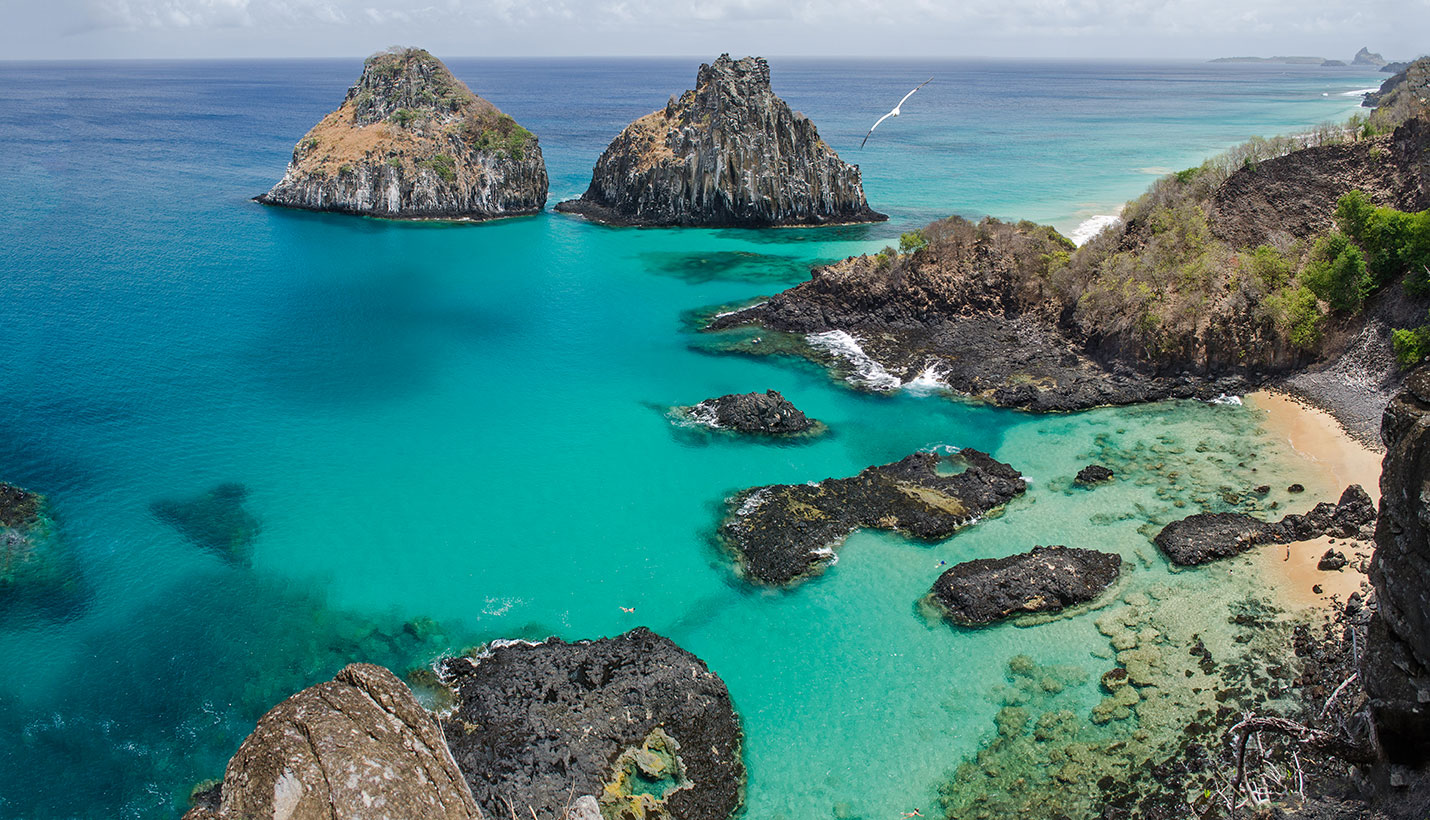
<point x="729" y="153"/>
<point x="411" y="141"/>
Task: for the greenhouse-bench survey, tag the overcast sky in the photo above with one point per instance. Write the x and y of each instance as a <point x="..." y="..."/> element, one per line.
<point x="70" y="29"/>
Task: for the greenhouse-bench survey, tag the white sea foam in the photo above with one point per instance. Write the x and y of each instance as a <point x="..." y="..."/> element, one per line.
<point x="1092" y="226"/>
<point x="701" y="416"/>
<point x="1226" y="399"/>
<point x="753" y="501"/>
<point x="1359" y="91"/>
<point x="725" y="313"/>
<point x="867" y="372"/>
<point x="926" y="382"/>
<point x="828" y="554"/>
<point x="486" y="652"/>
<point x="944" y="449"/>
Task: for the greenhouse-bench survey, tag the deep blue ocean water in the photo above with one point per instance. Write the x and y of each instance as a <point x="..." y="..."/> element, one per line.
<point x="467" y="423"/>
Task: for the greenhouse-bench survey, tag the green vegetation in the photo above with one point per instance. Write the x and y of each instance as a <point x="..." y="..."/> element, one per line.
<point x="1298" y="314"/>
<point x="501" y="135"/>
<point x="1411" y="345"/>
<point x="912" y="241"/>
<point x="1337" y="273"/>
<point x="1271" y="268"/>
<point x="1395" y="242"/>
<point x="404" y="116"/>
<point x="310" y="143"/>
<point x="443" y="165"/>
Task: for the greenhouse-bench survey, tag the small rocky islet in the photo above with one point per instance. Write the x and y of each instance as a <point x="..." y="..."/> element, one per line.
<point x="768" y="414"/>
<point x="411" y="141"/>
<point x="1043" y="580"/>
<point x="728" y="153"/>
<point x="38" y="571"/>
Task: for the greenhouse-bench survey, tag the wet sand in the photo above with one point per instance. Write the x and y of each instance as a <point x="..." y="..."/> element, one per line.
<point x="1333" y="460"/>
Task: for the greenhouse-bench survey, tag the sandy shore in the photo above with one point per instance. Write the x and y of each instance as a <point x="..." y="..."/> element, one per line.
<point x="1334" y="460"/>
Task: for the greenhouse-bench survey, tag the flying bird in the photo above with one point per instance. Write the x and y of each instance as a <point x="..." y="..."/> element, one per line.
<point x="895" y="112"/>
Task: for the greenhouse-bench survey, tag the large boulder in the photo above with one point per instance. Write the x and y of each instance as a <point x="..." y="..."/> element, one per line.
<point x="1204" y="537"/>
<point x="1396" y="664"/>
<point x="783" y="532"/>
<point x="729" y="153"/>
<point x="411" y="141"/>
<point x="1047" y="579"/>
<point x="626" y="727"/>
<point x="358" y="747"/>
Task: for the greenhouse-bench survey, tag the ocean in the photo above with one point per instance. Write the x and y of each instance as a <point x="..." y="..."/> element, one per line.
<point x="448" y="434"/>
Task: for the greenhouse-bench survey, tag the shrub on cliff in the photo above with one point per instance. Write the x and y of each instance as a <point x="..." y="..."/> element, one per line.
<point x="1395" y="242"/>
<point x="1337" y="273"/>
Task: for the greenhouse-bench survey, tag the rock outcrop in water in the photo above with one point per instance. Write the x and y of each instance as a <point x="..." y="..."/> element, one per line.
<point x="37" y="572"/>
<point x="1396" y="664"/>
<point x="1047" y="579"/>
<point x="1367" y="57"/>
<point x="727" y="154"/>
<point x="767" y="413"/>
<point x="358" y="746"/>
<point x="1205" y="537"/>
<point x="626" y="727"/>
<point x="411" y="141"/>
<point x="784" y="532"/>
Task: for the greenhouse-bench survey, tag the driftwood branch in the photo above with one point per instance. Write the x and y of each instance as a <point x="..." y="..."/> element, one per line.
<point x="1316" y="739"/>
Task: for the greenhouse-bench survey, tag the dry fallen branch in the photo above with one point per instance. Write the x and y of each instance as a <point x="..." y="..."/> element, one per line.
<point x="1321" y="741"/>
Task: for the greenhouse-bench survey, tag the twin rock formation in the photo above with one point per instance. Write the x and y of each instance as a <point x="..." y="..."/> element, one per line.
<point x="411" y="141"/>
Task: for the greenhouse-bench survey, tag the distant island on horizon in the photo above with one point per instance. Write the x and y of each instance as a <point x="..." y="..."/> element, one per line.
<point x="1364" y="57"/>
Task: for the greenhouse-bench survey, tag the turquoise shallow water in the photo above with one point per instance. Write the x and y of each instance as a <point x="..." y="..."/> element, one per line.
<point x="467" y="423"/>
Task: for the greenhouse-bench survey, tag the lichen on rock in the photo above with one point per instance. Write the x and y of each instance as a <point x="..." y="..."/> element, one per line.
<point x="411" y="141"/>
<point x="729" y="153"/>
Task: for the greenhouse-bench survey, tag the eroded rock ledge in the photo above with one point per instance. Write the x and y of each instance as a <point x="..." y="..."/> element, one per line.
<point x="1046" y="579"/>
<point x="783" y="532"/>
<point x="1204" y="537"/>
<point x="411" y="141"/>
<point x="599" y="724"/>
<point x="727" y="154"/>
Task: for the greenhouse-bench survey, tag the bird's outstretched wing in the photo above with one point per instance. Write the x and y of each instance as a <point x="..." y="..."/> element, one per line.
<point x="911" y="93"/>
<point x="876" y="125"/>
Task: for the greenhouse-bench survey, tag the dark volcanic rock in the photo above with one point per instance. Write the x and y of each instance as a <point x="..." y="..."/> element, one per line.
<point x="1093" y="474"/>
<point x="729" y="153"/>
<point x="1396" y="665"/>
<point x="596" y="723"/>
<point x="216" y="521"/>
<point x="769" y="413"/>
<point x="1205" y="537"/>
<point x="411" y="141"/>
<point x="357" y="746"/>
<point x="37" y="571"/>
<point x="782" y="532"/>
<point x="1332" y="561"/>
<point x="1047" y="579"/>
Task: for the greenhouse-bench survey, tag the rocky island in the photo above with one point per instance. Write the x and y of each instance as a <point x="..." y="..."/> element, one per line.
<point x="1206" y="537"/>
<point x="767" y="413"/>
<point x="411" y="141"/>
<point x="625" y="727"/>
<point x="782" y="533"/>
<point x="727" y="154"/>
<point x="1046" y="579"/>
<point x="38" y="571"/>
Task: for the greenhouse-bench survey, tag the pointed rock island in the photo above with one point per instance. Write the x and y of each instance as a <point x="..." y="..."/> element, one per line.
<point x="728" y="154"/>
<point x="411" y="141"/>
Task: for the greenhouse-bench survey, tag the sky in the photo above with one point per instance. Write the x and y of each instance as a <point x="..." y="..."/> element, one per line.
<point x="1022" y="29"/>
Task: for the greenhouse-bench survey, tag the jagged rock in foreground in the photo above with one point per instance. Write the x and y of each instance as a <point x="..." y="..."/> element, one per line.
<point x="1204" y="537"/>
<point x="411" y="141"/>
<point x="767" y="413"/>
<point x="783" y="532"/>
<point x="1396" y="664"/>
<point x="358" y="746"/>
<point x="625" y="727"/>
<point x="1047" y="579"/>
<point x="728" y="154"/>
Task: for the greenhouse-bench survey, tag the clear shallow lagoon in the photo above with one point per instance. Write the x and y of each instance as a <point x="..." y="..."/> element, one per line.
<point x="466" y="423"/>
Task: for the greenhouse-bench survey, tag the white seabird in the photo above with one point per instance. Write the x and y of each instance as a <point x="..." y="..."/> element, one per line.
<point x="895" y="112"/>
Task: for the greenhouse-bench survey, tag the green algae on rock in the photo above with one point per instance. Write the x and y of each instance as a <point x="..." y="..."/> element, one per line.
<point x="411" y="141"/>
<point x="783" y="532"/>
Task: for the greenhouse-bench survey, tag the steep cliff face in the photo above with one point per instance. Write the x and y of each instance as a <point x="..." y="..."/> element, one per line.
<point x="357" y="746"/>
<point x="729" y="153"/>
<point x="411" y="141"/>
<point x="1396" y="664"/>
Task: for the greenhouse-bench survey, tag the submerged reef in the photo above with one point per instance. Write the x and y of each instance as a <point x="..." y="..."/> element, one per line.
<point x="784" y="532"/>
<point x="38" y="573"/>
<point x="411" y="141"/>
<point x="1045" y="579"/>
<point x="1205" y="537"/>
<point x="633" y="724"/>
<point x="215" y="520"/>
<point x="727" y="154"/>
<point x="767" y="413"/>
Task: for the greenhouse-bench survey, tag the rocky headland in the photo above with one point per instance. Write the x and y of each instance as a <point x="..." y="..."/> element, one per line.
<point x="768" y="413"/>
<point x="1220" y="279"/>
<point x="1205" y="537"/>
<point x="624" y="728"/>
<point x="1044" y="580"/>
<point x="729" y="153"/>
<point x="411" y="141"/>
<point x="784" y="532"/>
